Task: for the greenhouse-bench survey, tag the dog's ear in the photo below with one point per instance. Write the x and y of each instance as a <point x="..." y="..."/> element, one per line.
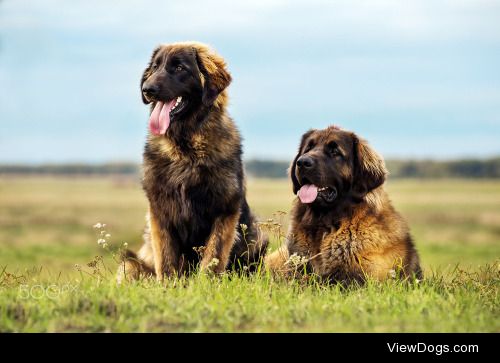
<point x="214" y="74"/>
<point x="293" y="165"/>
<point x="147" y="72"/>
<point x="370" y="170"/>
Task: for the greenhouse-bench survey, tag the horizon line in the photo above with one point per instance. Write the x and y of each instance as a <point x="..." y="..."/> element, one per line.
<point x="269" y="160"/>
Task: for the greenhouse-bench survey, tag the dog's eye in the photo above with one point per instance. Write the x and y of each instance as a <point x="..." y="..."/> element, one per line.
<point x="154" y="66"/>
<point x="309" y="146"/>
<point x="178" y="68"/>
<point x="333" y="150"/>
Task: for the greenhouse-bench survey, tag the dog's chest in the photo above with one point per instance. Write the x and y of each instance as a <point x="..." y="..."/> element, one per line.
<point x="186" y="192"/>
<point x="329" y="248"/>
<point x="180" y="182"/>
<point x="181" y="191"/>
<point x="307" y="240"/>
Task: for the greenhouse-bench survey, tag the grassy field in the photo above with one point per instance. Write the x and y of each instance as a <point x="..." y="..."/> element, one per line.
<point x="46" y="229"/>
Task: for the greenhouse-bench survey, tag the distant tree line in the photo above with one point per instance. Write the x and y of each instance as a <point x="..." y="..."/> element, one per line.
<point x="71" y="169"/>
<point x="469" y="168"/>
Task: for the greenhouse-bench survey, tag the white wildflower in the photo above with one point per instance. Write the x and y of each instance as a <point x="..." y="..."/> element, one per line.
<point x="97" y="225"/>
<point x="101" y="241"/>
<point x="296" y="260"/>
<point x="213" y="263"/>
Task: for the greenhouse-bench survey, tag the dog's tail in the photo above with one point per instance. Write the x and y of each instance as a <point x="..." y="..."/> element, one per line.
<point x="132" y="268"/>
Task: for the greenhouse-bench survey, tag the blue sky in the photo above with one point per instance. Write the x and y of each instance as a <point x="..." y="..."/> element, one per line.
<point x="418" y="79"/>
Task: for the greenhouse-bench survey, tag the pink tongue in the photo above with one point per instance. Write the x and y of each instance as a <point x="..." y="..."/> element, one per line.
<point x="160" y="117"/>
<point x="308" y="193"/>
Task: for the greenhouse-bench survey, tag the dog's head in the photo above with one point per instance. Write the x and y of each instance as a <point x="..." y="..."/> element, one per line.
<point x="180" y="80"/>
<point x="333" y="164"/>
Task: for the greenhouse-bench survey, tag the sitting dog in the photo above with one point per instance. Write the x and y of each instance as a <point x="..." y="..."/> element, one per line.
<point x="193" y="172"/>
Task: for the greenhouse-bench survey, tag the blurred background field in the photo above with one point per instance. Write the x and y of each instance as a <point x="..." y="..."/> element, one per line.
<point x="47" y="221"/>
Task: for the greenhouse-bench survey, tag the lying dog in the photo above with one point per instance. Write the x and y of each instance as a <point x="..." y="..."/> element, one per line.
<point x="343" y="223"/>
<point x="193" y="173"/>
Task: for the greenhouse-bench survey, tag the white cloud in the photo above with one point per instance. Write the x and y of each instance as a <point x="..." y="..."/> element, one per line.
<point x="417" y="19"/>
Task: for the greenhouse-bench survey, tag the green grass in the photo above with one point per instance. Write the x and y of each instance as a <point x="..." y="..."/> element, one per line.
<point x="456" y="302"/>
<point x="46" y="228"/>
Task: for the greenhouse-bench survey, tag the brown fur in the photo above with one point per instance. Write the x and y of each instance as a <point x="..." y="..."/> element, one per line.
<point x="216" y="253"/>
<point x="358" y="235"/>
<point x="193" y="175"/>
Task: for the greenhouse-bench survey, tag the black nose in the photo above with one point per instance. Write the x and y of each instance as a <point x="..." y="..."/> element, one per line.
<point x="305" y="162"/>
<point x="151" y="90"/>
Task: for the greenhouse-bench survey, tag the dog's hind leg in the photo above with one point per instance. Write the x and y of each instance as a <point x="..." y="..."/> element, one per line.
<point x="257" y="242"/>
<point x="132" y="267"/>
